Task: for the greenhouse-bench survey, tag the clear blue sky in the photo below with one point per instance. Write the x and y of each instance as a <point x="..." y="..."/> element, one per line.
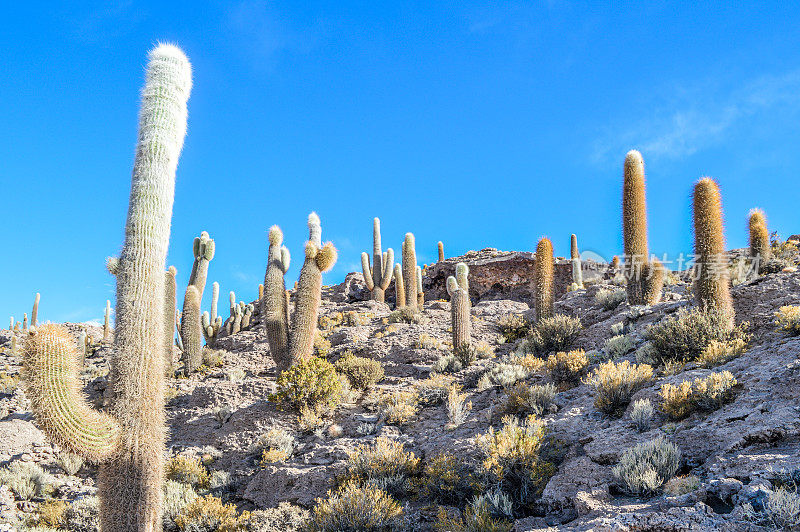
<point x="473" y="123"/>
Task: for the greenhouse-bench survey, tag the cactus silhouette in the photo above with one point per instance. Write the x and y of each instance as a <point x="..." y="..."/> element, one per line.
<point x="377" y="276"/>
<point x="410" y="270"/>
<point x="458" y="288"/>
<point x="759" y="236"/>
<point x="129" y="444"/>
<point x="711" y="278"/>
<point x="543" y="271"/>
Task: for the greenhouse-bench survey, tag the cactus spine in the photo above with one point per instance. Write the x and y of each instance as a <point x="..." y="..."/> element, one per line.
<point x="399" y="289"/>
<point x="377" y="276"/>
<point x="410" y="271"/>
<point x="440" y="245"/>
<point x="130" y="446"/>
<point x="292" y="342"/>
<point x="35" y="311"/>
<point x="711" y="277"/>
<point x="420" y="292"/>
<point x="544" y="267"/>
<point x="643" y="287"/>
<point x="759" y="236"/>
<point x="458" y="288"/>
<point x="107" y="322"/>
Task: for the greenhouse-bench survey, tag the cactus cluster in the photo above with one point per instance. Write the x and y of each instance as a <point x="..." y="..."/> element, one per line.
<point x="645" y="278"/>
<point x="241" y="314"/>
<point x="129" y="443"/>
<point x="292" y="341"/>
<point x="378" y="275"/>
<point x="544" y="269"/>
<point x="458" y="288"/>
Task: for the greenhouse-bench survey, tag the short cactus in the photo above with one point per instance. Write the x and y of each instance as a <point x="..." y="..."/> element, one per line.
<point x="129" y="444"/>
<point x="410" y="270"/>
<point x="458" y="288"/>
<point x="35" y="311"/>
<point x="420" y="292"/>
<point x="440" y="245"/>
<point x="711" y="278"/>
<point x="378" y="275"/>
<point x="399" y="289"/>
<point x="292" y="341"/>
<point x="760" y="248"/>
<point x="544" y="267"/>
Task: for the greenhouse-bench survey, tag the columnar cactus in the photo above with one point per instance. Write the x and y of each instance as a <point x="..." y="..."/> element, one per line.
<point x="203" y="250"/>
<point x="440" y="245"/>
<point x="275" y="306"/>
<point x="107" y="322"/>
<point x="212" y="323"/>
<point x="399" y="289"/>
<point x="379" y="274"/>
<point x="129" y="444"/>
<point x="575" y="259"/>
<point x="641" y="288"/>
<point x="573" y="247"/>
<point x="420" y="292"/>
<point x="260" y="291"/>
<point x="170" y="300"/>
<point x="711" y="277"/>
<point x="760" y="248"/>
<point x="458" y="288"/>
<point x="410" y="270"/>
<point x="35" y="311"/>
<point x="292" y="341"/>
<point x="192" y="331"/>
<point x="543" y="271"/>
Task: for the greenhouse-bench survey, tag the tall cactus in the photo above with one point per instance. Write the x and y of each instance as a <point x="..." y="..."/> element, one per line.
<point x="203" y="250"/>
<point x="292" y="341"/>
<point x="575" y="260"/>
<point x="543" y="272"/>
<point x="410" y="270"/>
<point x="399" y="289"/>
<point x="129" y="445"/>
<point x="642" y="287"/>
<point x="35" y="311"/>
<point x="191" y="331"/>
<point x="458" y="288"/>
<point x="440" y="247"/>
<point x="379" y="274"/>
<point x="420" y="292"/>
<point x="760" y="248"/>
<point x="170" y="301"/>
<point x="711" y="278"/>
<point x="275" y="304"/>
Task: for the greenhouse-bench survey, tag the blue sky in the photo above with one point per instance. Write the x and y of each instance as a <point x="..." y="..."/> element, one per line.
<point x="479" y="124"/>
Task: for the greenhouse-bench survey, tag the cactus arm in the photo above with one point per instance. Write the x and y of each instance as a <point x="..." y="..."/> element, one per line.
<point x="388" y="265"/>
<point x="286" y="259"/>
<point x="274" y="305"/>
<point x="315" y="229"/>
<point x="203" y="250"/>
<point x="214" y="300"/>
<point x="462" y="276"/>
<point x="367" y="270"/>
<point x="53" y="387"/>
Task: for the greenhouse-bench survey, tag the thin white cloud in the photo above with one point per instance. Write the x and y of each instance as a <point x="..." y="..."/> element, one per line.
<point x="700" y="117"/>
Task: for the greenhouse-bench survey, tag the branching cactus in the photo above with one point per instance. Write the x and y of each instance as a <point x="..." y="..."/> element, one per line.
<point x="274" y="305"/>
<point x="170" y="300"/>
<point x="420" y="292"/>
<point x="440" y="245"/>
<point x="410" y="270"/>
<point x="711" y="278"/>
<point x="378" y="275"/>
<point x="458" y="288"/>
<point x="35" y="311"/>
<point x="399" y="289"/>
<point x="292" y="342"/>
<point x="760" y="248"/>
<point x="544" y="267"/>
<point x="642" y="286"/>
<point x="129" y="444"/>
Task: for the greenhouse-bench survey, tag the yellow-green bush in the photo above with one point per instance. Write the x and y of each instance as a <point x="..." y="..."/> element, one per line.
<point x="355" y="508"/>
<point x="513" y="327"/>
<point x="476" y="518"/>
<point x="445" y="479"/>
<point x="614" y="385"/>
<point x="313" y="384"/>
<point x="385" y="464"/>
<point x="523" y="399"/>
<point x="433" y="390"/>
<point x="362" y="372"/>
<point x="210" y="514"/>
<point x="569" y="366"/>
<point x="554" y="333"/>
<point x="187" y="470"/>
<point x="717" y="353"/>
<point x="400" y="407"/>
<point x="787" y="318"/>
<point x="52" y="513"/>
<point x="707" y="394"/>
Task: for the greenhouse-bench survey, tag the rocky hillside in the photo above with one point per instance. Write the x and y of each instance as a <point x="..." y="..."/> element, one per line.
<point x="736" y="450"/>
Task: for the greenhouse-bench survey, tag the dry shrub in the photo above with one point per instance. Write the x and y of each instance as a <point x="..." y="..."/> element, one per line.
<point x="615" y="384"/>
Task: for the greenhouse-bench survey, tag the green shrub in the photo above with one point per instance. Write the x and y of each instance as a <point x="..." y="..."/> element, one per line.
<point x="445" y="479"/>
<point x="781" y="510"/>
<point x="385" y="464"/>
<point x="569" y="366"/>
<point x="400" y="407"/>
<point x="702" y="394"/>
<point x="477" y="517"/>
<point x="644" y="468"/>
<point x="362" y="372"/>
<point x="616" y="346"/>
<point x="433" y="390"/>
<point x="524" y="400"/>
<point x="187" y="470"/>
<point x="355" y="508"/>
<point x="276" y="445"/>
<point x="513" y="327"/>
<point x="176" y="497"/>
<point x="313" y="384"/>
<point x="684" y="336"/>
<point x="615" y="384"/>
<point x="555" y="333"/>
<point x="404" y="315"/>
<point x="506" y="375"/>
<point x="788" y="319"/>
